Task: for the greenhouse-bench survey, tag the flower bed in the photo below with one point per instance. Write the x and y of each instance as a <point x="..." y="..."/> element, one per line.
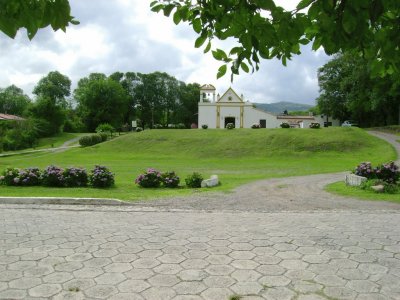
<point x="54" y="176"/>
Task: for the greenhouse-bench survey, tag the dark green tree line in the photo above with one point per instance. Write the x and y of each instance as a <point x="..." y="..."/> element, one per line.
<point x="348" y="90"/>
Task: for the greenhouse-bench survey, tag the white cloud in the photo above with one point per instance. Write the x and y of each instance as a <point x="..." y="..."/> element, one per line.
<point x="124" y="35"/>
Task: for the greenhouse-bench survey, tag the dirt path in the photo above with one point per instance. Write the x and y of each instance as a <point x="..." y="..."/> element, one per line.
<point x="301" y="193"/>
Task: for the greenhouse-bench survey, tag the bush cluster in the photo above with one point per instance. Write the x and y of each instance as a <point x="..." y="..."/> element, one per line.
<point x="194" y="180"/>
<point x="204" y="126"/>
<point x="90" y="140"/>
<point x="153" y="178"/>
<point x="101" y="177"/>
<point x="54" y="176"/>
<point x="230" y="126"/>
<point x="315" y="125"/>
<point x="285" y="125"/>
<point x="255" y="126"/>
<point x="388" y="172"/>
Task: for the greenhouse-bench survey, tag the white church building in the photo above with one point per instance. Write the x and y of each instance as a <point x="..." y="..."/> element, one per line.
<point x="217" y="111"/>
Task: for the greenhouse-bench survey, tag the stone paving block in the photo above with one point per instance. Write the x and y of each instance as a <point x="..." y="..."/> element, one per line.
<point x="150" y="253"/>
<point x="246" y="275"/>
<point x="271" y="270"/>
<point x="88" y="272"/>
<point x="118" y="267"/>
<point x="273" y="281"/>
<point x="163" y="280"/>
<point x="13" y="294"/>
<point x="294" y="264"/>
<point x="192" y="275"/>
<point x="340" y="293"/>
<point x="244" y="264"/>
<point x="110" y="278"/>
<point x="101" y="291"/>
<point x="246" y="288"/>
<point x="79" y="284"/>
<point x="159" y="293"/>
<point x="330" y="280"/>
<point x="45" y="290"/>
<point x="37" y="271"/>
<point x="24" y="283"/>
<point x="139" y="273"/>
<point x="133" y="286"/>
<point x="279" y="293"/>
<point x="306" y="287"/>
<point x="189" y="287"/>
<point x="219" y="270"/>
<point x="58" y="277"/>
<point x="168" y="269"/>
<point x="126" y="296"/>
<point x="267" y="259"/>
<point x="300" y="275"/>
<point x="219" y="259"/>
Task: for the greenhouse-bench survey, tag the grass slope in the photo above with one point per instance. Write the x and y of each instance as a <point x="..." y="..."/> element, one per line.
<point x="237" y="156"/>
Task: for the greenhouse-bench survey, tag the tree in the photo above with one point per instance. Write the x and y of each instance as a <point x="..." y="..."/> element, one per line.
<point x="33" y="15"/>
<point x="13" y="101"/>
<point x="349" y="91"/>
<point x="101" y="100"/>
<point x="49" y="117"/>
<point x="263" y="29"/>
<point x="54" y="86"/>
<point x="187" y="109"/>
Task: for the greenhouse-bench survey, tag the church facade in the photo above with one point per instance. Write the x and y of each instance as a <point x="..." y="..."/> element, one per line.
<point x="217" y="111"/>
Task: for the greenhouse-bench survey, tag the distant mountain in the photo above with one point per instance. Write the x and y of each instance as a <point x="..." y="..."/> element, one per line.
<point x="279" y="107"/>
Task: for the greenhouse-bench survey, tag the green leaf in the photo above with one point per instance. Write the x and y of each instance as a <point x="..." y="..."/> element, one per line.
<point x="303" y="4"/>
<point x="304" y="41"/>
<point x="200" y="40"/>
<point x="244" y="67"/>
<point x="177" y="17"/>
<point x="219" y="54"/>
<point x="221" y="71"/>
<point x="197" y="25"/>
<point x="208" y="47"/>
<point x="349" y="21"/>
<point x="168" y="9"/>
<point x="157" y="8"/>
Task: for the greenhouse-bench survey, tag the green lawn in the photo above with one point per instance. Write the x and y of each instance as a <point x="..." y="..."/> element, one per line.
<point x="340" y="188"/>
<point x="237" y="156"/>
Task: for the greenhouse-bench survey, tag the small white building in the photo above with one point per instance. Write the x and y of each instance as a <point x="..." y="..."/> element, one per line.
<point x="217" y="111"/>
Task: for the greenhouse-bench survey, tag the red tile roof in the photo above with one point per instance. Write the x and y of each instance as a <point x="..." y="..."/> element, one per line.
<point x="10" y="117"/>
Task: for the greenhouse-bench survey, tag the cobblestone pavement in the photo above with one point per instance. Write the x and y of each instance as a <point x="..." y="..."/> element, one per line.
<point x="120" y="253"/>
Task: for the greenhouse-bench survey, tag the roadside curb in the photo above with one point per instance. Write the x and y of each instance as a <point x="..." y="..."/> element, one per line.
<point x="63" y="201"/>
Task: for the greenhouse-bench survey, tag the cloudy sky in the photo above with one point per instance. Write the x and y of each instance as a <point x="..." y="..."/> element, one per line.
<point x="124" y="35"/>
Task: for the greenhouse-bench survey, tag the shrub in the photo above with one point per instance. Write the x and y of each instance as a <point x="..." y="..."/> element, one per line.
<point x="74" y="177"/>
<point x="230" y="126"/>
<point x="85" y="141"/>
<point x="170" y="179"/>
<point x="10" y="176"/>
<point x="53" y="176"/>
<point x="388" y="172"/>
<point x="194" y="180"/>
<point x="285" y="125"/>
<point x="315" y="125"/>
<point x="181" y="126"/>
<point x="391" y="188"/>
<point x="193" y="126"/>
<point x="104" y="136"/>
<point x="139" y="129"/>
<point x="149" y="179"/>
<point x="96" y="139"/>
<point x="101" y="177"/>
<point x="205" y="126"/>
<point x="255" y="126"/>
<point x="29" y="177"/>
<point x="365" y="169"/>
<point x="105" y="127"/>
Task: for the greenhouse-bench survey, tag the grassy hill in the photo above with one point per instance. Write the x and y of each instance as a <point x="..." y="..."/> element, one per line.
<point x="280" y="107"/>
<point x="237" y="156"/>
